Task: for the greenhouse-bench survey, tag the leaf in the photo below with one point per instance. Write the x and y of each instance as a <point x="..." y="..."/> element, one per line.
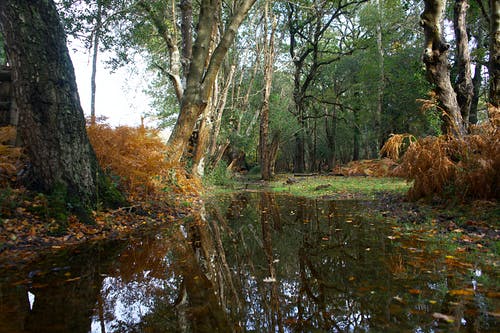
<point x="461" y="292"/>
<point x="447" y="318"/>
<point x="74" y="279"/>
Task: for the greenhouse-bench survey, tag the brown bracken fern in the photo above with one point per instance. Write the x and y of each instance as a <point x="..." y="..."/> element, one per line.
<point x="136" y="155"/>
<point x="465" y="168"/>
<point x="10" y="157"/>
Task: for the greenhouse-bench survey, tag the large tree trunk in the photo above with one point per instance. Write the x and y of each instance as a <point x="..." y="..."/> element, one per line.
<point x="495" y="53"/>
<point x="187" y="33"/>
<point x="436" y="62"/>
<point x="203" y="70"/>
<point x="464" y="87"/>
<point x="51" y="124"/>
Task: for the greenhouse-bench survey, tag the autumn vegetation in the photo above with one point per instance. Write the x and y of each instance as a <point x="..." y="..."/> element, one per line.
<point x="135" y="158"/>
<point x="448" y="167"/>
<point x="10" y="156"/>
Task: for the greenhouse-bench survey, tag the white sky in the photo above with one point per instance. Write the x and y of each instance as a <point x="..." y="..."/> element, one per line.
<point x="119" y="96"/>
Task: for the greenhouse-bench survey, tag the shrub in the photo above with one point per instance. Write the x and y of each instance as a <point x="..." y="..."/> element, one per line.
<point x="466" y="168"/>
<point x="218" y="176"/>
<point x="136" y="155"/>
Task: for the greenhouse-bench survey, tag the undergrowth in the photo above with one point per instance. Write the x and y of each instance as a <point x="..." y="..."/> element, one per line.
<point x="448" y="167"/>
<point x="10" y="157"/>
<point x="218" y="176"/>
<point x="135" y="156"/>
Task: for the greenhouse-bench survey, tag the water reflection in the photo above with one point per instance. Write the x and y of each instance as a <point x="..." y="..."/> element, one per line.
<point x="250" y="262"/>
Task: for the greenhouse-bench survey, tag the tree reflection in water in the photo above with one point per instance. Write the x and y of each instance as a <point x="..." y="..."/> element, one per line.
<point x="246" y="262"/>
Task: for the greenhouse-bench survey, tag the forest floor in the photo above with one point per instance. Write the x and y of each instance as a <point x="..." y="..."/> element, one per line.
<point x="29" y="225"/>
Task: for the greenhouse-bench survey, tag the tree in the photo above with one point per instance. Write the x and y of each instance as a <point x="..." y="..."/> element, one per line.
<point x="189" y="58"/>
<point x="313" y="46"/>
<point x="436" y="62"/>
<point x="464" y="87"/>
<point x="495" y="53"/>
<point x="92" y="23"/>
<point x="51" y="124"/>
<point x="201" y="77"/>
<point x="267" y="150"/>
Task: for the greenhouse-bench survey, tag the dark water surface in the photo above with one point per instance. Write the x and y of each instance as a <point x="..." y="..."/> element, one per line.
<point x="254" y="262"/>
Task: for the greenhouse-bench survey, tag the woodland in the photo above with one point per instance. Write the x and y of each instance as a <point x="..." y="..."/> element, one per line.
<point x="249" y="88"/>
<point x="332" y="165"/>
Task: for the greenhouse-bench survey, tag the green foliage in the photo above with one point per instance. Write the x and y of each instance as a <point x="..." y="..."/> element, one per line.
<point x="3" y="56"/>
<point x="218" y="176"/>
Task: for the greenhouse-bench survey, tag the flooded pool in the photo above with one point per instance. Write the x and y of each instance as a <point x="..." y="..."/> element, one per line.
<point x="255" y="262"/>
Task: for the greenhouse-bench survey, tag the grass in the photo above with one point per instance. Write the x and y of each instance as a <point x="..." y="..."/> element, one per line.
<point x="339" y="187"/>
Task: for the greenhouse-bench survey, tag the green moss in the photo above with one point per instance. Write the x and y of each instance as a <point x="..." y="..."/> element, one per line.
<point x="109" y="195"/>
<point x="339" y="187"/>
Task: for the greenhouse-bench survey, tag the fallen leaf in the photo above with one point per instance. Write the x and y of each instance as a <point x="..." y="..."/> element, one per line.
<point x="73" y="279"/>
<point x="448" y="319"/>
<point x="461" y="292"/>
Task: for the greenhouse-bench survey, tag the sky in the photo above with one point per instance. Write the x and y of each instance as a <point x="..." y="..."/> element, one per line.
<point x="119" y="95"/>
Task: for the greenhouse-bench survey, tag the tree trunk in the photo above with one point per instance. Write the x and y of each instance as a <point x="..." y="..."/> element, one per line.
<point x="203" y="70"/>
<point x="187" y="33"/>
<point x="436" y="62"/>
<point x="299" y="160"/>
<point x="331" y="133"/>
<point x="95" y="46"/>
<point x="51" y="124"/>
<point x="381" y="83"/>
<point x="495" y="53"/>
<point x="463" y="87"/>
<point x="476" y="80"/>
<point x="356" y="137"/>
<point x="221" y="105"/>
<point x="264" y="146"/>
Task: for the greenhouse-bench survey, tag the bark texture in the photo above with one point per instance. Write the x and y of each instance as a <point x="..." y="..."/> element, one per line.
<point x="437" y="67"/>
<point x="476" y="80"/>
<point x="51" y="124"/>
<point x="463" y="87"/>
<point x="495" y="53"/>
<point x="201" y="77"/>
<point x="264" y="146"/>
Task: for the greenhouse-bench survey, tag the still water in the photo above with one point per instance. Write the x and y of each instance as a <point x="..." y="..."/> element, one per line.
<point x="254" y="262"/>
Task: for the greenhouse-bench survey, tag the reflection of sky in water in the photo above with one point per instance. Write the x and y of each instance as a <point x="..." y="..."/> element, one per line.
<point x="128" y="303"/>
<point x="31" y="299"/>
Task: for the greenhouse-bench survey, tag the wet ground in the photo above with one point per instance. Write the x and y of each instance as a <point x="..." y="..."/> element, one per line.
<point x="256" y="262"/>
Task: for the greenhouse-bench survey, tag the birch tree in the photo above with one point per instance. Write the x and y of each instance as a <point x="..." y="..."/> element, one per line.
<point x="437" y="67"/>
